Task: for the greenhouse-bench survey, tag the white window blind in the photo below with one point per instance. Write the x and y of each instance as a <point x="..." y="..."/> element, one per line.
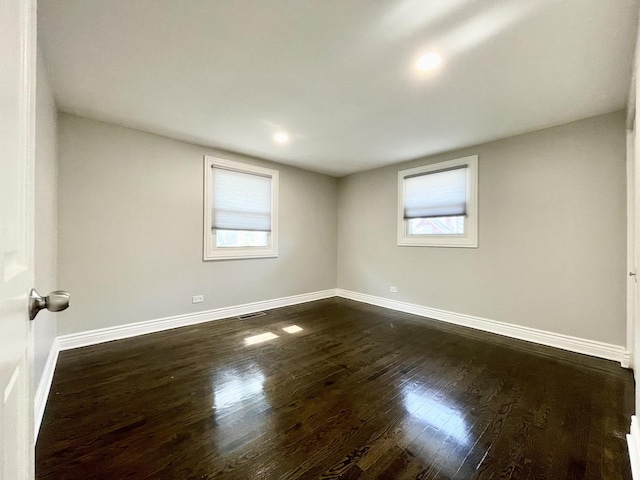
<point x="241" y="201"/>
<point x="437" y="194"/>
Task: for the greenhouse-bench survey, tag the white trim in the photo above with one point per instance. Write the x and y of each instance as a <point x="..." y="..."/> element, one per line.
<point x="632" y="98"/>
<point x="627" y="358"/>
<point x="42" y="392"/>
<point x="631" y="261"/>
<point x="542" y="337"/>
<point x="210" y="250"/>
<point x="470" y="238"/>
<point x="633" y="442"/>
<point x="92" y="337"/>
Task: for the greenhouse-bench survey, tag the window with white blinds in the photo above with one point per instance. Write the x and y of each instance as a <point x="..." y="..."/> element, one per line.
<point x="436" y="194"/>
<point x="437" y="204"/>
<point x="241" y="201"/>
<point x="240" y="210"/>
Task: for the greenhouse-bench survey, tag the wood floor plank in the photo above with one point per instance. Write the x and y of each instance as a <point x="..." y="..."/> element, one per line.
<point x="360" y="393"/>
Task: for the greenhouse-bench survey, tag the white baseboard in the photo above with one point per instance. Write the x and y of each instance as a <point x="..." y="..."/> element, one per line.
<point x="633" y="442"/>
<point x="626" y="360"/>
<point x="542" y="337"/>
<point x="92" y="337"/>
<point x="42" y="392"/>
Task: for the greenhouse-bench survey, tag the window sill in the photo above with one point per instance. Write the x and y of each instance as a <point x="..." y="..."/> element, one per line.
<point x="438" y="242"/>
<point x="239" y="254"/>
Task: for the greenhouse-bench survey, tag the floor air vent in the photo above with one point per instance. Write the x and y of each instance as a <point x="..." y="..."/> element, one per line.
<point x="251" y="315"/>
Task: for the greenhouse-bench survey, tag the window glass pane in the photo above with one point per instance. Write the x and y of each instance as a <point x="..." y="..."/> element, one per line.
<point x="241" y="238"/>
<point x="436" y="226"/>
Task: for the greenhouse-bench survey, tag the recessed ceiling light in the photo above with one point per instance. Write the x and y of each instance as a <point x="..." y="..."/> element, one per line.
<point x="429" y="61"/>
<point x="281" y="137"/>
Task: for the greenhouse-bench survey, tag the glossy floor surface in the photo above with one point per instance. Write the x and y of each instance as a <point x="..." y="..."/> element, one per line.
<point x="360" y="392"/>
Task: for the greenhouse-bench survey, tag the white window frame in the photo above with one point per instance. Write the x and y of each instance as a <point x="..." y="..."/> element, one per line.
<point x="211" y="251"/>
<point x="470" y="238"/>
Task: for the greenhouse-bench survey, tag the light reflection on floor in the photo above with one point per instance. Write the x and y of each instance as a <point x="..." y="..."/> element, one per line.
<point x="436" y="428"/>
<point x="233" y="392"/>
<point x="238" y="389"/>
<point x="292" y="329"/>
<point x="263" y="337"/>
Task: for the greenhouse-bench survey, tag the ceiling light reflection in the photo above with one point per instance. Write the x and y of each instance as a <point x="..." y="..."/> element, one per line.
<point x="263" y="337"/>
<point x="292" y="329"/>
<point x="234" y="389"/>
<point x="446" y="420"/>
<point x="238" y="390"/>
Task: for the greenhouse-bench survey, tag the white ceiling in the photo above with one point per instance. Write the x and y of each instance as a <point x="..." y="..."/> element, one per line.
<point x="338" y="75"/>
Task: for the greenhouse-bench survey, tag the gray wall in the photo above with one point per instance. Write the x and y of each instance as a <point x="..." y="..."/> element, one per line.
<point x="551" y="233"/>
<point x="552" y="225"/>
<point x="130" y="221"/>
<point x="46" y="223"/>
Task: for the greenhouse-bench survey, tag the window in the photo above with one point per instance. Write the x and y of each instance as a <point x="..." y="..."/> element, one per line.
<point x="240" y="211"/>
<point x="438" y="204"/>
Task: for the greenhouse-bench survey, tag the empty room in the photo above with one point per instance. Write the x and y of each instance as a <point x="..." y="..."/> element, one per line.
<point x="316" y="239"/>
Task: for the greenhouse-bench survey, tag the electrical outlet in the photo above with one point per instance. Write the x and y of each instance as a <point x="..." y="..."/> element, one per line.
<point x="393" y="289"/>
<point x="197" y="299"/>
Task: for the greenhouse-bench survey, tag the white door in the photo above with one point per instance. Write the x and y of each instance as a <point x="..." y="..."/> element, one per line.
<point x="17" y="133"/>
<point x="634" y="231"/>
<point x="632" y="283"/>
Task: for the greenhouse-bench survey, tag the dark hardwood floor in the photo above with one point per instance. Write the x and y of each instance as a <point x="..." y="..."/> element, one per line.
<point x="360" y="393"/>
